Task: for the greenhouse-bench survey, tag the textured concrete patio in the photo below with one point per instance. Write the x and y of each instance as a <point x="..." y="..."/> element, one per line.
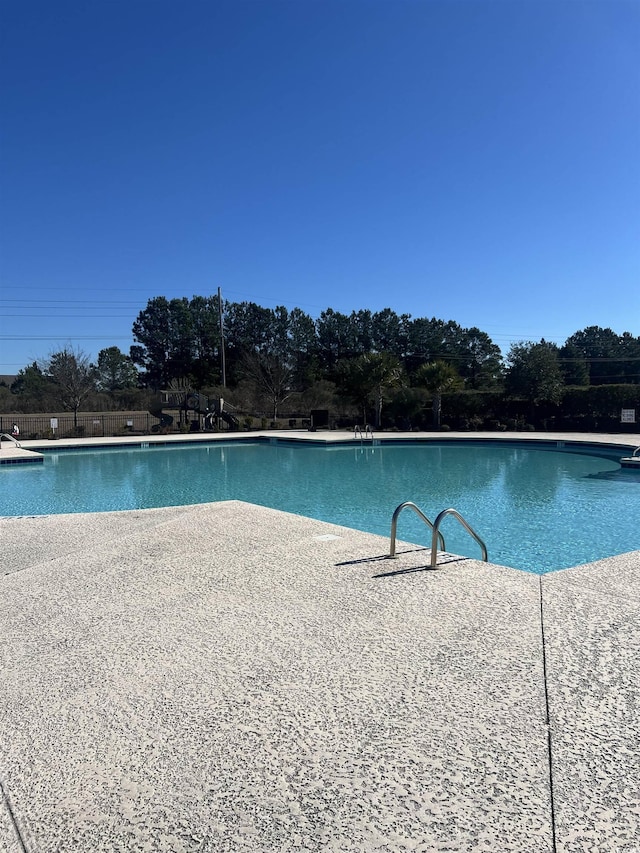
<point x="232" y="678"/>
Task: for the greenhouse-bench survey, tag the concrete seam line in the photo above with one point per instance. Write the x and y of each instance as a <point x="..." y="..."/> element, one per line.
<point x="14" y="822"/>
<point x="547" y="721"/>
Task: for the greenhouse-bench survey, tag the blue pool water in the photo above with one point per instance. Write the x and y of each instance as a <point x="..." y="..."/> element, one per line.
<point x="537" y="510"/>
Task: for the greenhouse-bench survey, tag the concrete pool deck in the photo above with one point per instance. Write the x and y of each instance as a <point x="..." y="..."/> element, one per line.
<point x="226" y="677"/>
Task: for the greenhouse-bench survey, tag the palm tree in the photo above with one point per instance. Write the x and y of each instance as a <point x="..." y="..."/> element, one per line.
<point x="437" y="377"/>
<point x="368" y="377"/>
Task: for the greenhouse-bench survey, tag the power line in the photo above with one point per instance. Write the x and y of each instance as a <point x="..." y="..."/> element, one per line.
<point x="74" y="302"/>
<point x="58" y="337"/>
<point x="72" y="316"/>
<point x="57" y="305"/>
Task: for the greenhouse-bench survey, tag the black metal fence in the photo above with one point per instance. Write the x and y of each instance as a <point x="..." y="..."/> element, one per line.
<point x="105" y="424"/>
<point x="87" y="425"/>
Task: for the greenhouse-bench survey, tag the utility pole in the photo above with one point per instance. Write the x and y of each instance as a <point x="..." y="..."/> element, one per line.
<point x="222" y="358"/>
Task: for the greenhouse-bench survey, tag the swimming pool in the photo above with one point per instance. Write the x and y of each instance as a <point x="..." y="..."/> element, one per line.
<point x="536" y="509"/>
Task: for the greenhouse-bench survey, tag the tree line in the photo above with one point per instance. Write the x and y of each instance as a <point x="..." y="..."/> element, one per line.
<point x="182" y="337"/>
<point x="370" y="361"/>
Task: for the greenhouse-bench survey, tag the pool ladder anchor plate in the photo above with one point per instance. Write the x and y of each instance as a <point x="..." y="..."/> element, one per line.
<point x="436" y="536"/>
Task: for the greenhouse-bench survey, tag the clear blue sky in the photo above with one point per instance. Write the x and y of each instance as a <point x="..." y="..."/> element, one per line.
<point x="473" y="161"/>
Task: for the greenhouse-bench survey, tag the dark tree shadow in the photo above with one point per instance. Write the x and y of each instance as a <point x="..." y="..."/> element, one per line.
<point x="443" y="560"/>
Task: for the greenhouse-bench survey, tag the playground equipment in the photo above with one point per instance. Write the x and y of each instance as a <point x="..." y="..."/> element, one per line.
<point x="211" y="413"/>
<point x="217" y="413"/>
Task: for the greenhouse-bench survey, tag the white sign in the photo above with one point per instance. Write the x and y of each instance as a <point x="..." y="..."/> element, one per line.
<point x="54" y="423"/>
<point x="628" y="416"/>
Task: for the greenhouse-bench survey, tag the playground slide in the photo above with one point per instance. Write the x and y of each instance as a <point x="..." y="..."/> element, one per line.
<point x="228" y="418"/>
<point x="165" y="420"/>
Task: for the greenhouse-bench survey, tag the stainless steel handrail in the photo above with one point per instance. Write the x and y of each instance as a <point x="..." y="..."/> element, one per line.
<point x="365" y="432"/>
<point x="10" y="437"/>
<point x="436" y="533"/>
<point x="637" y="450"/>
<point x="394" y="526"/>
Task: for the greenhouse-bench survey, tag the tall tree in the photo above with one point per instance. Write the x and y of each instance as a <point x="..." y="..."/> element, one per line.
<point x="249" y="328"/>
<point x="73" y="377"/>
<point x="176" y="338"/>
<point x="573" y="365"/>
<point x="115" y="371"/>
<point x="630" y="351"/>
<point x="479" y="360"/>
<point x="534" y="372"/>
<point x="34" y="390"/>
<point x="271" y="377"/>
<point x="611" y="357"/>
<point x="437" y="377"/>
<point x="361" y="324"/>
<point x="207" y="361"/>
<point x="390" y="332"/>
<point x="153" y="332"/>
<point x="336" y="339"/>
<point x="432" y="340"/>
<point x="182" y="351"/>
<point x="303" y="349"/>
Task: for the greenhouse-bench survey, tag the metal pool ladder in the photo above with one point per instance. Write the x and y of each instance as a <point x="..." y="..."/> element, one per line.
<point x="365" y="433"/>
<point x="10" y="437"/>
<point x="436" y="536"/>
